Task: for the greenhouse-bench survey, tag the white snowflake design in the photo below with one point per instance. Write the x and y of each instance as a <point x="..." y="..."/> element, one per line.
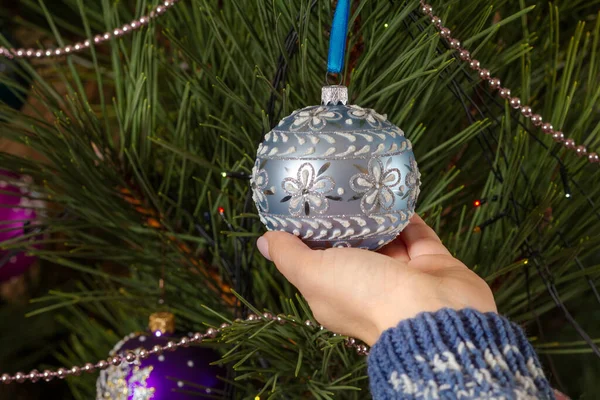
<point x="413" y="183"/>
<point x="259" y="182"/>
<point x="376" y="186"/>
<point x="372" y="117"/>
<point x="307" y="193"/>
<point x="315" y="117"/>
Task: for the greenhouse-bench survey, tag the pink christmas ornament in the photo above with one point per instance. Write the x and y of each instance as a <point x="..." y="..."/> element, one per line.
<point x="16" y="215"/>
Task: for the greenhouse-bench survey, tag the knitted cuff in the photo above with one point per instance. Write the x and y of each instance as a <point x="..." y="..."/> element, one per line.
<point x="452" y="354"/>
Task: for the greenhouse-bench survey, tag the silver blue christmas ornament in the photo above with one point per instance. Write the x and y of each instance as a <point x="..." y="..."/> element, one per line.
<point x="336" y="175"/>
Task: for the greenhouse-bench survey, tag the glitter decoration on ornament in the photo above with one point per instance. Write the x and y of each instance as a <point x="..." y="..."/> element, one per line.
<point x="336" y="175"/>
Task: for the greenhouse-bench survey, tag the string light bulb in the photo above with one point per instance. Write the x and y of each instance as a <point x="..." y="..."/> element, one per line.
<point x="477" y="203"/>
<point x="221" y="210"/>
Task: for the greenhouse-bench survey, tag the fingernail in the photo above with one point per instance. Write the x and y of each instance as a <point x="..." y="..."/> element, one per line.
<point x="263" y="247"/>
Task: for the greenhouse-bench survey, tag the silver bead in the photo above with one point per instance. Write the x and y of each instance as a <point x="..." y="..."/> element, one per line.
<point x="34" y="376"/>
<point x="547" y="127"/>
<point x="475" y="64"/>
<point x="526" y="111"/>
<point x="6" y="379"/>
<point x="495" y="83"/>
<point x="445" y="33"/>
<point x="212" y="333"/>
<point x="350" y="342"/>
<point x="308" y="322"/>
<point x="130" y="357"/>
<point x="143" y="354"/>
<point x="427" y="9"/>
<point x="61" y="373"/>
<point x="581" y="150"/>
<point x="593" y="158"/>
<point x="89" y="368"/>
<point x="485" y="74"/>
<point x="197" y="337"/>
<point x="75" y="371"/>
<point x="454" y="43"/>
<point x="465" y="55"/>
<point x="184" y="342"/>
<point x="537" y="120"/>
<point x="569" y="143"/>
<point x="504" y="93"/>
<point x="47" y="375"/>
<point x="515" y="102"/>
<point x="251" y="317"/>
<point x="102" y="364"/>
<point x="20" y="377"/>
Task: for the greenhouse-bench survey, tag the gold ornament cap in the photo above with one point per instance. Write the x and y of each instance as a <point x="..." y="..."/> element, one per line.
<point x="163" y="322"/>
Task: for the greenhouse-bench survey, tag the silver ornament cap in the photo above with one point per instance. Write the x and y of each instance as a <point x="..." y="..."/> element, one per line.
<point x="336" y="175"/>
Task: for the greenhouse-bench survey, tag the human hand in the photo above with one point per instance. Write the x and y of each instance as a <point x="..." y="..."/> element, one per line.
<point x="360" y="293"/>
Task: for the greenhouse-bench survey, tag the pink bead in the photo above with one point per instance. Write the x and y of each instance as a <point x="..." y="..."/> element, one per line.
<point x="143" y="20"/>
<point x="427" y="9"/>
<point x="593" y="158"/>
<point x="436" y="21"/>
<point x="5" y="378"/>
<point x="485" y="74"/>
<point x="106" y="36"/>
<point x="445" y="33"/>
<point x="117" y="32"/>
<point x="47" y="375"/>
<point x="547" y="127"/>
<point x="526" y="111"/>
<point x="98" y="39"/>
<point x="61" y="373"/>
<point x="160" y="10"/>
<point x="495" y="83"/>
<point x="86" y="43"/>
<point x="57" y="52"/>
<point x="536" y="119"/>
<point x="515" y="102"/>
<point x="20" y="53"/>
<point x="558" y="136"/>
<point x="465" y="55"/>
<point x="505" y="93"/>
<point x="475" y="64"/>
<point x="212" y="333"/>
<point x="134" y="25"/>
<point x="89" y="368"/>
<point x="30" y="52"/>
<point x="454" y="43"/>
<point x="39" y="53"/>
<point x="48" y="53"/>
<point x="68" y="49"/>
<point x="570" y="143"/>
<point x="581" y="150"/>
<point x="34" y="376"/>
<point x="78" y="46"/>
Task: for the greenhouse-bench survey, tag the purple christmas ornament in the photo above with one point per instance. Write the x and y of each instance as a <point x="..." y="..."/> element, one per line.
<point x="16" y="213"/>
<point x="184" y="374"/>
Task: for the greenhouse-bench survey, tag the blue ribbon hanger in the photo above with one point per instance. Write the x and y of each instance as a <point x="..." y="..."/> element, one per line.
<point x="338" y="38"/>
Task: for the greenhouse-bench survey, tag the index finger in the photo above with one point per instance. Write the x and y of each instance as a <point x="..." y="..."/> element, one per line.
<point x="421" y="240"/>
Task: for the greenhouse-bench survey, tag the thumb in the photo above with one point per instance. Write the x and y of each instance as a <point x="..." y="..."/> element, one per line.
<point x="291" y="256"/>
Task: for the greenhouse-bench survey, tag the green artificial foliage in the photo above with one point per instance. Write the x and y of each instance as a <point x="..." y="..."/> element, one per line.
<point x="135" y="175"/>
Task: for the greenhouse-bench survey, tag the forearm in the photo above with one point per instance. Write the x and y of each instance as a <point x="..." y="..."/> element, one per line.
<point x="450" y="354"/>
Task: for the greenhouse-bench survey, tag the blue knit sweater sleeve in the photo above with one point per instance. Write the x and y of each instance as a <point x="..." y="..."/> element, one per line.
<point x="456" y="355"/>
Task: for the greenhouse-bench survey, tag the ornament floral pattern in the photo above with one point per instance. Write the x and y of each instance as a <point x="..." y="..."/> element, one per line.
<point x="375" y="186"/>
<point x="372" y="117"/>
<point x="315" y="118"/>
<point x="259" y="182"/>
<point x="413" y="183"/>
<point x="307" y="193"/>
